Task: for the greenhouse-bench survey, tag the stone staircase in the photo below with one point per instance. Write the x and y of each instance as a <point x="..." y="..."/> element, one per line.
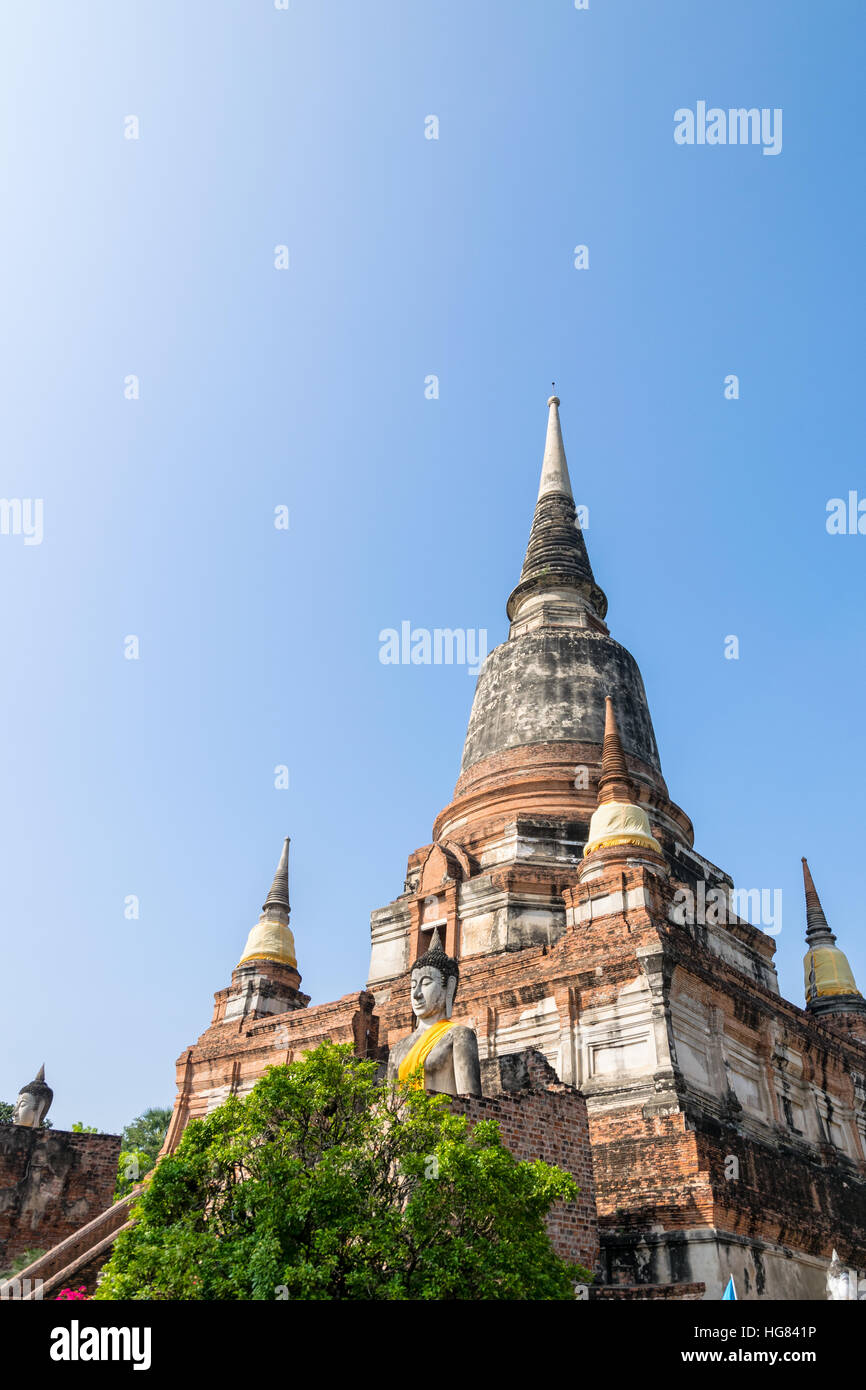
<point x="76" y="1260"/>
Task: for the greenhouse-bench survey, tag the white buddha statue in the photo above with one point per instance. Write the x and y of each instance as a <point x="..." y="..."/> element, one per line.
<point x="440" y="1054"/>
<point x="33" y="1102"/>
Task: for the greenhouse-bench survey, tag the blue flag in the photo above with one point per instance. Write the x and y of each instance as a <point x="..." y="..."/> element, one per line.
<point x="730" y="1291"/>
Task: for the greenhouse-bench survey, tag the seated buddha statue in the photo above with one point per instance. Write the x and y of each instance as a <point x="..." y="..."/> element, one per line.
<point x="439" y="1055"/>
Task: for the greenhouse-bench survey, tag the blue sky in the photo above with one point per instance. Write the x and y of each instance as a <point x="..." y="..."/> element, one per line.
<point x="305" y="388"/>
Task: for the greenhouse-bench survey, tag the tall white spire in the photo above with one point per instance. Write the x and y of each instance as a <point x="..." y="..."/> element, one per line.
<point x="554" y="469"/>
<point x="556" y="588"/>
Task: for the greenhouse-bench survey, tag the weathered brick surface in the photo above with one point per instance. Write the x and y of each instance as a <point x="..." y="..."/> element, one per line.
<point x="659" y="1146"/>
<point x="576" y="963"/>
<point x="230" y="1057"/>
<point x="538" y="1117"/>
<point x="548" y="1120"/>
<point x="52" y="1182"/>
<point x="655" y="1293"/>
<point x="79" y="1258"/>
<point x="675" y="1034"/>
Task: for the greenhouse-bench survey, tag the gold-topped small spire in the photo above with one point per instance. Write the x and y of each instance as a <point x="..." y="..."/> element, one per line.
<point x="617" y="820"/>
<point x="614" y="783"/>
<point x="271" y="938"/>
<point x="826" y="971"/>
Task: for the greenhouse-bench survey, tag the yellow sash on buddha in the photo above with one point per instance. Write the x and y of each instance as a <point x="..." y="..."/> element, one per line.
<point x="419" y="1052"/>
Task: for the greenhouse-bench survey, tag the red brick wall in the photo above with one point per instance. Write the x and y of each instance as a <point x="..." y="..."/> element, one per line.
<point x="52" y="1182"/>
<point x="230" y="1057"/>
<point x="550" y="1124"/>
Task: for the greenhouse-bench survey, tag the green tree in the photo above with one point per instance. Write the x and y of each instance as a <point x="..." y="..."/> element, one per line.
<point x="142" y="1141"/>
<point x="146" y="1133"/>
<point x="132" y="1166"/>
<point x="323" y="1184"/>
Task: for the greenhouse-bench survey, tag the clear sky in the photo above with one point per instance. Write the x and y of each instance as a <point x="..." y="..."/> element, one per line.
<point x="304" y="388"/>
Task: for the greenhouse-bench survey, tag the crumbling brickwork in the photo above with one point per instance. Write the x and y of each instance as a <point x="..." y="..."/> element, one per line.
<point x="542" y="1118"/>
<point x="52" y="1182"/>
<point x="230" y="1056"/>
<point x="728" y="1126"/>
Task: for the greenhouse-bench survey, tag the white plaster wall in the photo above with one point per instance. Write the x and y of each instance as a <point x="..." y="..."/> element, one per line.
<point x="617" y="1039"/>
<point x="539" y="1027"/>
<point x="389" y="955"/>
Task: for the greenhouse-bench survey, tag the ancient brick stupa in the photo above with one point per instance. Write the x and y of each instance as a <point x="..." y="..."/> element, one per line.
<point x="727" y="1124"/>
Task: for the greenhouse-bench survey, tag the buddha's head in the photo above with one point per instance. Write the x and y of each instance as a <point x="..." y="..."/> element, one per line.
<point x="26" y="1111"/>
<point x="435" y="977"/>
<point x="33" y="1102"/>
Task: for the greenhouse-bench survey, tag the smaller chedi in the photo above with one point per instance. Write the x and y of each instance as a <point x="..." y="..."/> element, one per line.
<point x="440" y="1054"/>
<point x="33" y="1103"/>
<point x="617" y="820"/>
<point x="271" y="938"/>
<point x="829" y="980"/>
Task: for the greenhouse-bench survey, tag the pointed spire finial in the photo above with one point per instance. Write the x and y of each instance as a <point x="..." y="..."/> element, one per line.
<point x="827" y="976"/>
<point x="617" y="820"/>
<point x="556" y="587"/>
<point x="271" y="937"/>
<point x="614" y="784"/>
<point x="40" y="1075"/>
<point x="816" y="922"/>
<point x="278" y="897"/>
<point x="554" y="468"/>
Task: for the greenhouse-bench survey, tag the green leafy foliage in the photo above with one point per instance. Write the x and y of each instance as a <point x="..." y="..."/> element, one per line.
<point x="146" y="1133"/>
<point x="323" y="1184"/>
<point x="27" y="1257"/>
<point x="141" y="1143"/>
<point x="79" y="1128"/>
<point x="132" y="1166"/>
